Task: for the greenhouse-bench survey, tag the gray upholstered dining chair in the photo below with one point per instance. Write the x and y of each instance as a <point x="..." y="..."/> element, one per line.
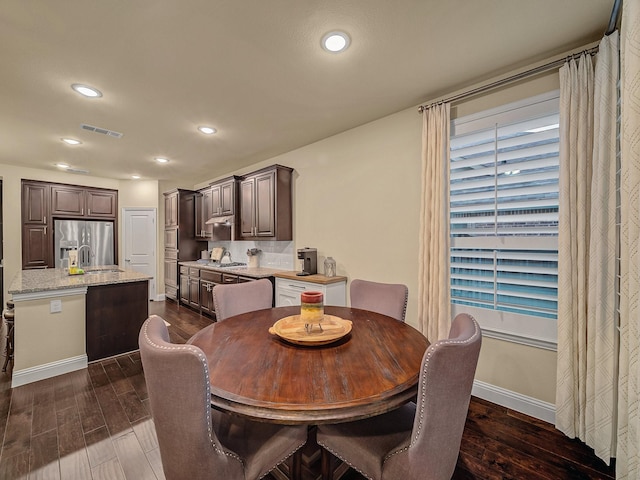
<point x="234" y="299"/>
<point x="196" y="441"/>
<point x="419" y="440"/>
<point x="386" y="298"/>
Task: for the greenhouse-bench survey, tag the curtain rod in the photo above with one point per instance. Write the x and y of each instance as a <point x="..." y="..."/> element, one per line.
<point x="615" y="14"/>
<point x="514" y="78"/>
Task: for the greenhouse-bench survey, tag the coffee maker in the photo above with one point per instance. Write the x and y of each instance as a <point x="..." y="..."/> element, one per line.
<point x="309" y="257"/>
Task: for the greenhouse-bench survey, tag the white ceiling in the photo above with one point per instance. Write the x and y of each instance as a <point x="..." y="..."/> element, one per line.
<point x="253" y="69"/>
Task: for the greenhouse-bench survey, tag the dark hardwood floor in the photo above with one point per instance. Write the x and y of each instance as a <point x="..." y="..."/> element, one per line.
<point x="95" y="424"/>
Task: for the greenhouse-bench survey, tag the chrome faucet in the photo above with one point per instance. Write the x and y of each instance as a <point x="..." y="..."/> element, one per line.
<point x="80" y="264"/>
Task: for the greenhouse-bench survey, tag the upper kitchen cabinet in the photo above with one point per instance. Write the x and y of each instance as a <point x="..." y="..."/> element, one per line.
<point x="73" y="201"/>
<point x="265" y="204"/>
<point x="35" y="202"/>
<point x="171" y="208"/>
<point x="42" y="202"/>
<point x="218" y="199"/>
<point x="37" y="247"/>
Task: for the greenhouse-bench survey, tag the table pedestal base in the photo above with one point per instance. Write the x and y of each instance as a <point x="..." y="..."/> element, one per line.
<point x="311" y="463"/>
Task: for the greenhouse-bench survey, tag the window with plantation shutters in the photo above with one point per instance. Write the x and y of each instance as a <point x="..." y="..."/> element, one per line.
<point x="504" y="218"/>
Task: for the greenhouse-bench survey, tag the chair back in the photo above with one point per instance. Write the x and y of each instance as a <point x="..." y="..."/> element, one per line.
<point x="234" y="299"/>
<point x="386" y="298"/>
<point x="444" y="392"/>
<point x="177" y="378"/>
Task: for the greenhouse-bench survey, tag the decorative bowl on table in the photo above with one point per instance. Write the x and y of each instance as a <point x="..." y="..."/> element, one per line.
<point x="293" y="329"/>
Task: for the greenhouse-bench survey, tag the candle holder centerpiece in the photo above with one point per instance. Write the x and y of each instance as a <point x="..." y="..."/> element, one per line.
<point x="312" y="310"/>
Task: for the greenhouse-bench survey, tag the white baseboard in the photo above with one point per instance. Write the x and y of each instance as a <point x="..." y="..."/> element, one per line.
<point x="48" y="370"/>
<point x="159" y="297"/>
<point x="515" y="401"/>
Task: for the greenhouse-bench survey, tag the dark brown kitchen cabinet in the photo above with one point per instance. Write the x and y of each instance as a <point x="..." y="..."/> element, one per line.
<point x="180" y="242"/>
<point x="81" y="202"/>
<point x="36" y="247"/>
<point x="171" y="273"/>
<point x="265" y="204"/>
<point x="208" y="280"/>
<point x="102" y="203"/>
<point x="37" y="244"/>
<point x="35" y="203"/>
<point x="218" y="199"/>
<point x="190" y="286"/>
<point x="42" y="202"/>
<point x="171" y="208"/>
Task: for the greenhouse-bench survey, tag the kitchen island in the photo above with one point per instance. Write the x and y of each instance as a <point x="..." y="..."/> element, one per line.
<point x="64" y="321"/>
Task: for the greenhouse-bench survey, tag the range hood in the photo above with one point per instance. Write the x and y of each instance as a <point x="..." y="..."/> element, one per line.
<point x="223" y="227"/>
<point x="221" y="220"/>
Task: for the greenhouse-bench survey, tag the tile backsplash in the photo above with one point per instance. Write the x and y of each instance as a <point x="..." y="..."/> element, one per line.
<point x="275" y="254"/>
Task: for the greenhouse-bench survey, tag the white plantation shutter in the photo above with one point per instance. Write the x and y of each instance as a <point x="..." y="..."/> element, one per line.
<point x="504" y="212"/>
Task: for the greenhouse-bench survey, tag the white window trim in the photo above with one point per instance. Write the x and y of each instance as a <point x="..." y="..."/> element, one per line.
<point x="508" y="326"/>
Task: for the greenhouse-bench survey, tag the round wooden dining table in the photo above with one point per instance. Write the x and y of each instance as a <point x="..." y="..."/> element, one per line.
<point x="373" y="369"/>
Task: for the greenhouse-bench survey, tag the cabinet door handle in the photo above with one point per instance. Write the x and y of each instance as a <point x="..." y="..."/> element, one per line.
<point x="82" y="211"/>
<point x="89" y="211"/>
<point x="297" y="287"/>
<point x="45" y="229"/>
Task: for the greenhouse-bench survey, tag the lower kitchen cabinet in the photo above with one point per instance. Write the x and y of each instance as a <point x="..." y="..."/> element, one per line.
<point x="289" y="288"/>
<point x="190" y="286"/>
<point x="196" y="286"/>
<point x="208" y="280"/>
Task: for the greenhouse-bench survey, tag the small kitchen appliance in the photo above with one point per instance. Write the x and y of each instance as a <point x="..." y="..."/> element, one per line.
<point x="309" y="257"/>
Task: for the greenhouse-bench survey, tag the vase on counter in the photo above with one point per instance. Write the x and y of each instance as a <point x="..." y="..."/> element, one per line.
<point x="253" y="257"/>
<point x="329" y="267"/>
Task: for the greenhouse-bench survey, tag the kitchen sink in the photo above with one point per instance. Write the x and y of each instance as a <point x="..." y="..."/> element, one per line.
<point x="96" y="272"/>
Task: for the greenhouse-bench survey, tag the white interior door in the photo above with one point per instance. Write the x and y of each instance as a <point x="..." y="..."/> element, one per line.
<point x="140" y="243"/>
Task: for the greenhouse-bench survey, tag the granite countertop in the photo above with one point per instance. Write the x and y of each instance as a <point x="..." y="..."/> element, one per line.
<point x="259" y="272"/>
<point x="46" y="279"/>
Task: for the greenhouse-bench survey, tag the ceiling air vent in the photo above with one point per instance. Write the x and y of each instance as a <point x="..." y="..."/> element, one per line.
<point x="103" y="131"/>
<point x="77" y="170"/>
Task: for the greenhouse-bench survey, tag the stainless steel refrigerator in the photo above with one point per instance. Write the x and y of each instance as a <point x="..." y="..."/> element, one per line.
<point x="94" y="240"/>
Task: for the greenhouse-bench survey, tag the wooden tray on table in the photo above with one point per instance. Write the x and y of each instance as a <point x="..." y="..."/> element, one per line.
<point x="292" y="329"/>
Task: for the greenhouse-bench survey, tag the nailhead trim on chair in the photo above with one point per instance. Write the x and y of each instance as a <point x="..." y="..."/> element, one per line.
<point x="406" y="299"/>
<point x="273" y="467"/>
<point x="345" y="461"/>
<point x="424" y="383"/>
<point x="218" y="448"/>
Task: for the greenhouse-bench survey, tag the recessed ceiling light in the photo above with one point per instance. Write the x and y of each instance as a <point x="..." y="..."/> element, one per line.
<point x="162" y="160"/>
<point x="207" y="130"/>
<point x="71" y="141"/>
<point x="62" y="165"/>
<point x="86" y="90"/>
<point x="135" y="177"/>
<point x="335" y="42"/>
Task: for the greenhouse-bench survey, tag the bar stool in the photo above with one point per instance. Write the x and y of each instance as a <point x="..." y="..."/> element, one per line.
<point x="8" y="318"/>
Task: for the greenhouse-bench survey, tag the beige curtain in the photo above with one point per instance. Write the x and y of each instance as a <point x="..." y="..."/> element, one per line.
<point x="434" y="297"/>
<point x="628" y="457"/>
<point x="587" y="278"/>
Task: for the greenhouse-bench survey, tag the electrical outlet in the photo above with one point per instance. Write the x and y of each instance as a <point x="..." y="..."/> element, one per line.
<point x="55" y="306"/>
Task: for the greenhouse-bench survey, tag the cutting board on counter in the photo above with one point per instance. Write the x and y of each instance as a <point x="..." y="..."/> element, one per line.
<point x="216" y="253"/>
